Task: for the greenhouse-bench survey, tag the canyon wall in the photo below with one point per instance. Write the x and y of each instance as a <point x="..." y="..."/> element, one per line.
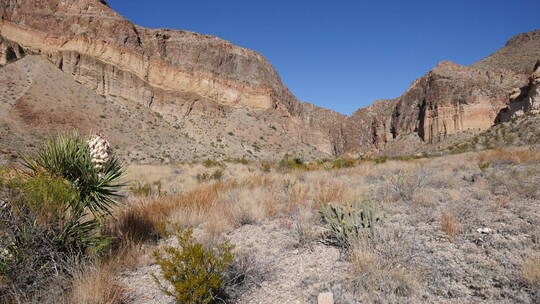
<point x="181" y="73"/>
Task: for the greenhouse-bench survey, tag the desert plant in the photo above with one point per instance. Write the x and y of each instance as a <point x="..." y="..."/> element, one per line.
<point x="94" y="174"/>
<point x="37" y="248"/>
<point x="449" y="225"/>
<point x="350" y="222"/>
<point x="46" y="219"/>
<point x="211" y="163"/>
<point x="292" y="163"/>
<point x="343" y="163"/>
<point x="530" y="271"/>
<point x="196" y="273"/>
<point x="405" y="185"/>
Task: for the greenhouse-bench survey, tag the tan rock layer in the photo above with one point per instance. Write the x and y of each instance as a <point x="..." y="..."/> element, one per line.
<point x="157" y="73"/>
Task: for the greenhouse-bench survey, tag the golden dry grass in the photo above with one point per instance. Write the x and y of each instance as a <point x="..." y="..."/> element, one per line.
<point x="516" y="156"/>
<point x="450" y="225"/>
<point x="376" y="273"/>
<point x="97" y="284"/>
<point x="530" y="271"/>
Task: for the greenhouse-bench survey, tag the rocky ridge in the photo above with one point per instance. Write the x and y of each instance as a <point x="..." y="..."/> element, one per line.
<point x="184" y="76"/>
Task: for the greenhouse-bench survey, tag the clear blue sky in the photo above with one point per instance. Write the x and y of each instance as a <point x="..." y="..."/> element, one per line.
<point x="343" y="55"/>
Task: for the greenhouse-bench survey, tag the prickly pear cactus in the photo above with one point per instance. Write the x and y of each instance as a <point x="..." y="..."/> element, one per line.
<point x="350" y="222"/>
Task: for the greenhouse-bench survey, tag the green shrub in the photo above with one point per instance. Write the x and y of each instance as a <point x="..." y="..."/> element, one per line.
<point x="205" y="176"/>
<point x="217" y="175"/>
<point x="343" y="163"/>
<point x="350" y="223"/>
<point x="140" y="189"/>
<point x="292" y="163"/>
<point x="196" y="274"/>
<point x="211" y="163"/>
<point x="146" y="189"/>
<point x="40" y="237"/>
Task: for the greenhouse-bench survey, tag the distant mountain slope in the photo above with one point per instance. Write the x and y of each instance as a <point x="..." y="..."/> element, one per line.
<point x="179" y="95"/>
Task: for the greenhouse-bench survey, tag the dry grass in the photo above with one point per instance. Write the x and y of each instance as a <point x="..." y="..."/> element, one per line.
<point x="374" y="273"/>
<point x="97" y="284"/>
<point x="530" y="271"/>
<point x="450" y="225"/>
<point x="257" y="194"/>
<point x="516" y="156"/>
<point x="329" y="191"/>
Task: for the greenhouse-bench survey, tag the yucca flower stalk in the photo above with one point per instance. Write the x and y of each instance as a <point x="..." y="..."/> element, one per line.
<point x="100" y="151"/>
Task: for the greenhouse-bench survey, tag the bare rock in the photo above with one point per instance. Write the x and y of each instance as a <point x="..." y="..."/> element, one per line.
<point x="325" y="298"/>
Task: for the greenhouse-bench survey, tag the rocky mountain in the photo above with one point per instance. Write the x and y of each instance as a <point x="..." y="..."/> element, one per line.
<point x="176" y="95"/>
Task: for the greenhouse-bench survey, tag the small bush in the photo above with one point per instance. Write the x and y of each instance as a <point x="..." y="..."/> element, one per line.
<point x="211" y="163"/>
<point x="403" y="185"/>
<point x="139" y="189"/>
<point x="266" y="166"/>
<point x="97" y="284"/>
<point x="205" y="176"/>
<point x="146" y="189"/>
<point x="343" y="163"/>
<point x="51" y="214"/>
<point x="196" y="274"/>
<point x="292" y="163"/>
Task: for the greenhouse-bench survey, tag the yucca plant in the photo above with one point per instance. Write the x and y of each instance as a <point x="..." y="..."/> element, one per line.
<point x="69" y="156"/>
<point x="51" y="213"/>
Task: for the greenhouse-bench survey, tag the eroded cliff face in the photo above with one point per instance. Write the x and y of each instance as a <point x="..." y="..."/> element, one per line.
<point x="179" y="74"/>
<point x="449" y="99"/>
<point x="92" y="42"/>
<point x="523" y="100"/>
<point x="188" y="77"/>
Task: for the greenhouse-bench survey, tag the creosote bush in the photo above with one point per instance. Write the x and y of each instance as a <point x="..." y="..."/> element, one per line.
<point x="195" y="273"/>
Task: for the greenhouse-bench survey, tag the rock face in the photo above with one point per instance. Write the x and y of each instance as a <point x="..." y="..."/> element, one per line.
<point x="451" y="98"/>
<point x="198" y="84"/>
<point x="186" y="78"/>
<point x="524" y="100"/>
<point x="97" y="46"/>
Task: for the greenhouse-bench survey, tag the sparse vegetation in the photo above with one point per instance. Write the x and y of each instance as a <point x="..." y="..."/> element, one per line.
<point x="450" y="225"/>
<point x="314" y="211"/>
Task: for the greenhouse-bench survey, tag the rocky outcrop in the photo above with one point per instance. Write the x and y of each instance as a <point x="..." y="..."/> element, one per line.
<point x="519" y="54"/>
<point x="95" y="44"/>
<point x="523" y="100"/>
<point x="449" y="99"/>
<point x="9" y="51"/>
<point x="181" y="74"/>
<point x="176" y="73"/>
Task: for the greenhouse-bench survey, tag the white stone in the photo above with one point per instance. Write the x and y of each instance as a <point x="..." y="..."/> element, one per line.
<point x="325" y="298"/>
<point x="484" y="230"/>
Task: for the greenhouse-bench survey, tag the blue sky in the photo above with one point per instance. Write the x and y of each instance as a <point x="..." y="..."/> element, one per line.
<point x="343" y="55"/>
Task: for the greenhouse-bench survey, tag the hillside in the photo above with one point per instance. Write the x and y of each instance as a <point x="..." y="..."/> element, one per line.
<point x="187" y="96"/>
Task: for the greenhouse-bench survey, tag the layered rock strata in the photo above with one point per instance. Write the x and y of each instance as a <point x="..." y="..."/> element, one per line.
<point x="181" y="74"/>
